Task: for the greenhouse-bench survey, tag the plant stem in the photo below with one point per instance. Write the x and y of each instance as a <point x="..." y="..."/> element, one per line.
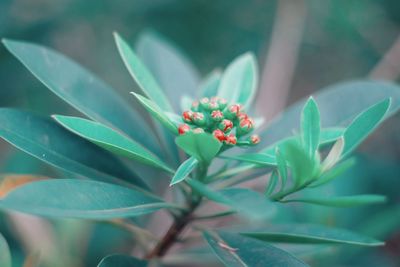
<point x="181" y="221"/>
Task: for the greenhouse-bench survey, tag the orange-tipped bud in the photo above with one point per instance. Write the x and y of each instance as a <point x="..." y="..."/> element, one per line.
<point x="187" y="116"/>
<point x="198" y="131"/>
<point x="230" y="140"/>
<point x="225" y="125"/>
<point x="254" y="139"/>
<point x="219" y="135"/>
<point x="217" y="115"/>
<point x="183" y="128"/>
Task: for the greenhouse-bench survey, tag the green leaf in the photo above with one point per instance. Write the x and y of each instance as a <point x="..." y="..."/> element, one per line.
<point x="184" y="170"/>
<point x="48" y="141"/>
<point x="364" y="124"/>
<point x="234" y="250"/>
<point x="203" y="146"/>
<point x="110" y="140"/>
<point x="122" y="261"/>
<point x="310" y="127"/>
<point x="239" y="81"/>
<point x="259" y="159"/>
<point x="245" y="201"/>
<point x="342" y="202"/>
<point x="82" y="90"/>
<point x="282" y="168"/>
<point x="5" y="255"/>
<point x="302" y="167"/>
<point x="69" y="198"/>
<point x="142" y="75"/>
<point x="157" y="113"/>
<point x="209" y="86"/>
<point x="172" y="70"/>
<point x="339" y="104"/>
<point x="333" y="156"/>
<point x="273" y="181"/>
<point x="310" y="234"/>
<point x="333" y="173"/>
<point x="186" y="102"/>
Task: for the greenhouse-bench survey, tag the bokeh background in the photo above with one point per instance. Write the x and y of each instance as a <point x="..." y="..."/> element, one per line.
<point x="301" y="45"/>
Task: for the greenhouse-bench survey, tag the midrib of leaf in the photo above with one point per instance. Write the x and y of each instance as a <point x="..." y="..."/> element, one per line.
<point x="235" y="255"/>
<point x="105" y="176"/>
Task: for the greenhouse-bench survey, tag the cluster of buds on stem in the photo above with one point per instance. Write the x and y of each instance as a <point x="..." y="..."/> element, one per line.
<point x="228" y="123"/>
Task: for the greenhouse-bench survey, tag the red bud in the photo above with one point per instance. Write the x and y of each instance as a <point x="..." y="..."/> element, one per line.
<point x="183" y="128"/>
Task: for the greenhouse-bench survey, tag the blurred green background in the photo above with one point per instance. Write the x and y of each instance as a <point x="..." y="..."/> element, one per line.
<point x="301" y="46"/>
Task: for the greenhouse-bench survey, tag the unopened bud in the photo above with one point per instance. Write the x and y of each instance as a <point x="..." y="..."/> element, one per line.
<point x="246" y="126"/>
<point x="225" y="125"/>
<point x="219" y="135"/>
<point x="183" y="128"/>
<point x="198" y="131"/>
<point x="254" y="139"/>
<point x="217" y="115"/>
<point x="199" y="119"/>
<point x="230" y="140"/>
<point x="204" y="102"/>
<point x="195" y="106"/>
<point x="187" y="116"/>
<point x="213" y="105"/>
<point x="232" y="111"/>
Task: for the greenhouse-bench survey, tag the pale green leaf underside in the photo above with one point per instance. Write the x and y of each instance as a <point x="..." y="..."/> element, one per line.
<point x="234" y="250"/>
<point x="184" y="170"/>
<point x="310" y="234"/>
<point x="310" y="127"/>
<point x="122" y="261"/>
<point x="203" y="146"/>
<point x="68" y="198"/>
<point x="5" y="255"/>
<point x="111" y="140"/>
<point x="342" y="201"/>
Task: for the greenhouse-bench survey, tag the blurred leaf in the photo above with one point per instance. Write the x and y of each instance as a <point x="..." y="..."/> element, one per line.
<point x="9" y="182"/>
<point x="240" y="199"/>
<point x="173" y="71"/>
<point x="184" y="170"/>
<point x="186" y="102"/>
<point x="157" y="113"/>
<point x="363" y="125"/>
<point x="175" y="118"/>
<point x="333" y="173"/>
<point x="44" y="139"/>
<point x="260" y="159"/>
<point x="203" y="146"/>
<point x="333" y="156"/>
<point x="310" y="127"/>
<point x="272" y="182"/>
<point x="122" y="261"/>
<point x="239" y="81"/>
<point x="209" y="86"/>
<point x="235" y="250"/>
<point x="282" y="168"/>
<point x="302" y="167"/>
<point x="338" y="105"/>
<point x="69" y="198"/>
<point x="310" y="234"/>
<point x="110" y="140"/>
<point x="142" y="75"/>
<point x="342" y="202"/>
<point x="83" y="90"/>
<point x="5" y="255"/>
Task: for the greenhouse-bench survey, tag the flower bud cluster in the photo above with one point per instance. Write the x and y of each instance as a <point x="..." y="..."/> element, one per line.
<point x="228" y="123"/>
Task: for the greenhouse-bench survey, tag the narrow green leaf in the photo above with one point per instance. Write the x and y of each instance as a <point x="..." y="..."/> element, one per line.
<point x="245" y="201"/>
<point x="171" y="68"/>
<point x="234" y="250"/>
<point x="273" y="181"/>
<point x="203" y="146"/>
<point x="110" y="140"/>
<point x="68" y="198"/>
<point x="310" y="234"/>
<point x="117" y="260"/>
<point x="209" y="86"/>
<point x="364" y="124"/>
<point x="174" y="118"/>
<point x="157" y="113"/>
<point x="48" y="141"/>
<point x="342" y="202"/>
<point x="339" y="104"/>
<point x="142" y="75"/>
<point x="302" y="167"/>
<point x="334" y="155"/>
<point x="186" y="102"/>
<point x="260" y="159"/>
<point x="239" y="81"/>
<point x="282" y="168"/>
<point x="333" y="173"/>
<point x="310" y="127"/>
<point x="5" y="255"/>
<point x="184" y="170"/>
<point x="82" y="90"/>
